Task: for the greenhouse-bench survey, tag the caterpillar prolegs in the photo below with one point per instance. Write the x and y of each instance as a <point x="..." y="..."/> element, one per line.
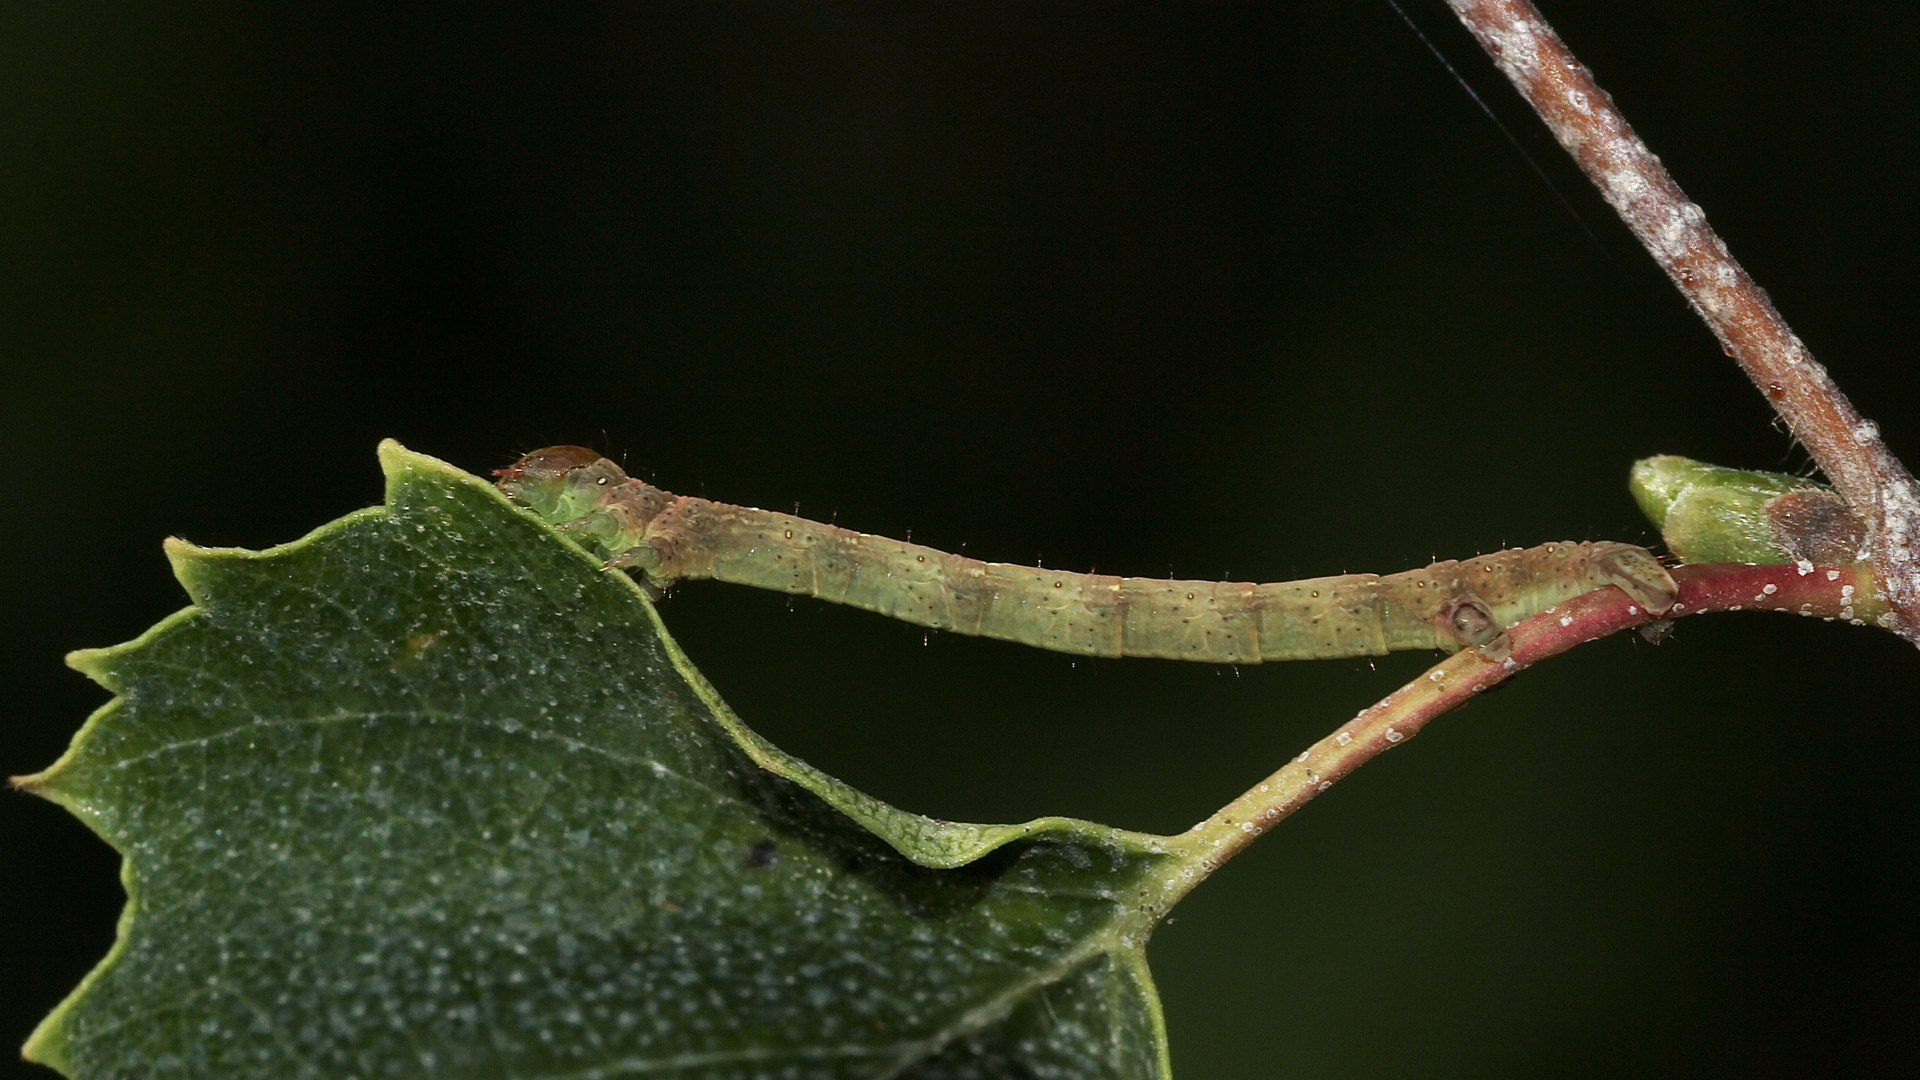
<point x="1448" y="605"/>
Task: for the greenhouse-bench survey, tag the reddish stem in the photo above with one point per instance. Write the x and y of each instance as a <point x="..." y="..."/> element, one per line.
<point x="1828" y="592"/>
<point x="1675" y="231"/>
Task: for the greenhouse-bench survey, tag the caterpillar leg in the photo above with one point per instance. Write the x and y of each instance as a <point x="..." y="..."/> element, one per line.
<point x="647" y="559"/>
<point x="602" y="531"/>
<point x="598" y="529"/>
<point x="1637" y="573"/>
<point x="1467" y="622"/>
<point x="654" y="592"/>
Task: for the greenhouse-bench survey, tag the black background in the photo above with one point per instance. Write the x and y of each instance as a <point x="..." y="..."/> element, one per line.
<point x="1231" y="288"/>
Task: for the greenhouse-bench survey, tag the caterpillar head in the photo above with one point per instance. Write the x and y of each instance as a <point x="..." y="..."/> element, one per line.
<point x="560" y="483"/>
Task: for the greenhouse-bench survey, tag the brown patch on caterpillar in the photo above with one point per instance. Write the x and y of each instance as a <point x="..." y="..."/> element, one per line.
<point x="639" y="502"/>
<point x="681" y="538"/>
<point x="1466" y="622"/>
<point x="548" y="464"/>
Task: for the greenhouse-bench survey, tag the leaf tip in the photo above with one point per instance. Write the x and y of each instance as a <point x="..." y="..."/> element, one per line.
<point x="393" y="456"/>
<point x="43" y="783"/>
<point x="47" y="784"/>
<point x="92" y="663"/>
<point x="401" y="466"/>
<point x="189" y="562"/>
<point x="48" y="1043"/>
<point x="397" y="461"/>
<point x="179" y="551"/>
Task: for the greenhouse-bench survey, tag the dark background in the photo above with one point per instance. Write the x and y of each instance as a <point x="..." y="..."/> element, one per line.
<point x="1230" y="288"/>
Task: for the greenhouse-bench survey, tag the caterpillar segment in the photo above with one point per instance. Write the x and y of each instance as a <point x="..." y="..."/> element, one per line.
<point x="665" y="538"/>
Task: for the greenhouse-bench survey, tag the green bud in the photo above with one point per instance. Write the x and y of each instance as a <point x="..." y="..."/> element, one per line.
<point x="1709" y="513"/>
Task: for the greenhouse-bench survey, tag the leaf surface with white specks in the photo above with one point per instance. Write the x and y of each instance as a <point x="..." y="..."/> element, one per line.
<point x="428" y="793"/>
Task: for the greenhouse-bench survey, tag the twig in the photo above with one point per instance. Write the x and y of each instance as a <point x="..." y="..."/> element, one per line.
<point x="1675" y="231"/>
<point x="1829" y="592"/>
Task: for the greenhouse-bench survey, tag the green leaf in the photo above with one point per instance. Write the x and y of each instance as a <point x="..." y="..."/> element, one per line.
<point x="427" y="793"/>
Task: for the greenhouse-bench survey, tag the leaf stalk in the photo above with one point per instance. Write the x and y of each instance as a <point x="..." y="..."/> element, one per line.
<point x="1827" y="592"/>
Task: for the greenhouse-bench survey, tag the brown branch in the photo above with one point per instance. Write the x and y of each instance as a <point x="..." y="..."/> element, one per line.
<point x="1583" y="117"/>
<point x="1828" y="592"/>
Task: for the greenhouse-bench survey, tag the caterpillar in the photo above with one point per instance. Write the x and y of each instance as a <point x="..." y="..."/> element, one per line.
<point x="666" y="538"/>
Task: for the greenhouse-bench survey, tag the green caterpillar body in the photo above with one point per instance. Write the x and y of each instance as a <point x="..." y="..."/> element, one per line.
<point x="1448" y="605"/>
